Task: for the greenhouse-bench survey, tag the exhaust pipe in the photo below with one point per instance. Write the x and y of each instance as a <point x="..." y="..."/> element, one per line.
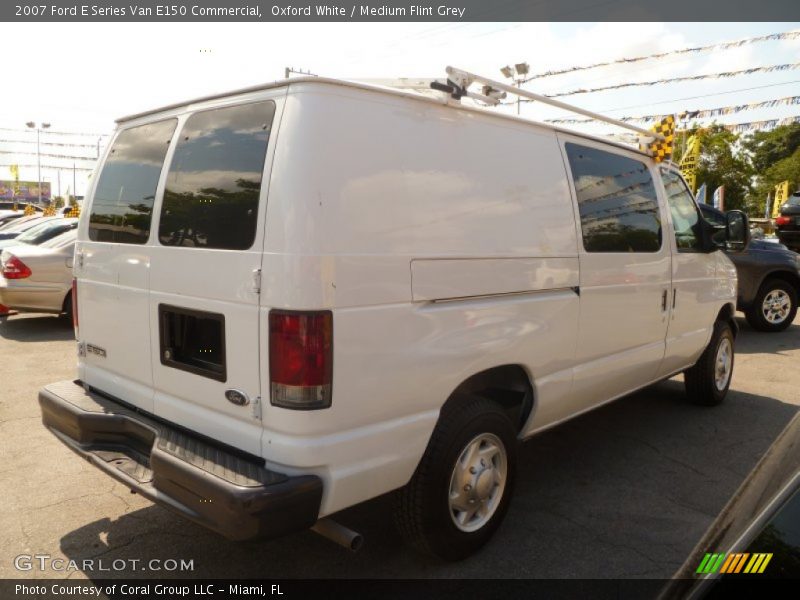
<point x="335" y="532"/>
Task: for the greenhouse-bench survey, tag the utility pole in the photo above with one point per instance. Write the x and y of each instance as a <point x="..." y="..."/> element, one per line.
<point x="32" y="125"/>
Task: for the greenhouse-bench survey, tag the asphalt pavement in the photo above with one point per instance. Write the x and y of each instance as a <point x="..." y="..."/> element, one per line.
<point x="625" y="491"/>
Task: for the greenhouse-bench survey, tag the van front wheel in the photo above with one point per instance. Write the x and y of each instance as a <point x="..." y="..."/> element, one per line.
<point x="707" y="382"/>
<point x="460" y="491"/>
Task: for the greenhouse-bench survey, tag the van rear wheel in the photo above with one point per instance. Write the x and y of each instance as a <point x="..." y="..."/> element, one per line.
<point x="707" y="382"/>
<point x="460" y="491"/>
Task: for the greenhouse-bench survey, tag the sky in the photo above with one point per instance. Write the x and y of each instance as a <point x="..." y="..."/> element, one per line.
<point x="93" y="73"/>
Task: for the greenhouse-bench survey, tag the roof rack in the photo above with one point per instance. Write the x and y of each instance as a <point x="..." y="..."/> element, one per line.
<point x="459" y="81"/>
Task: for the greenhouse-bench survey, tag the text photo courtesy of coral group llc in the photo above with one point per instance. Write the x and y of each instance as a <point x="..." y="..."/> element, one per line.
<point x="436" y="299"/>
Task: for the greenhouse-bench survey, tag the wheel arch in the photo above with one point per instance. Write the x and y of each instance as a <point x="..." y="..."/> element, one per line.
<point x="726" y="315"/>
<point x="785" y="275"/>
<point x="508" y="385"/>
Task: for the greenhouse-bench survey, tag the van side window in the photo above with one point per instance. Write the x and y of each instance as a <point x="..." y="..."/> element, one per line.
<point x="123" y="201"/>
<point x="617" y="201"/>
<point x="685" y="215"/>
<point x="213" y="184"/>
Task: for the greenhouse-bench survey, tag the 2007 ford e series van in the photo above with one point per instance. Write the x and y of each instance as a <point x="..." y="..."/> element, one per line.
<point x="296" y="297"/>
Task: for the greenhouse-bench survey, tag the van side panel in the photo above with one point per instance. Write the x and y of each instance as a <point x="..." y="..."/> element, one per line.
<point x="369" y="191"/>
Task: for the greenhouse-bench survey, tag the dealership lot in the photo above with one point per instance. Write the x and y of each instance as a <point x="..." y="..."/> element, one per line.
<point x="624" y="491"/>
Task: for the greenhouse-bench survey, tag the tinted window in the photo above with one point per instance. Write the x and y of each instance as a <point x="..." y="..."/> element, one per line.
<point x="46" y="231"/>
<point x="123" y="201"/>
<point x="685" y="218"/>
<point x="211" y="198"/>
<point x="617" y="201"/>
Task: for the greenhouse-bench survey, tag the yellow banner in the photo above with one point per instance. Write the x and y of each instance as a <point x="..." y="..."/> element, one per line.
<point x="781" y="195"/>
<point x="689" y="161"/>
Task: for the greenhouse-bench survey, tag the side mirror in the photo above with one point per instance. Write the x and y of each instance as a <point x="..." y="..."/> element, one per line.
<point x="737" y="231"/>
<point x="734" y="236"/>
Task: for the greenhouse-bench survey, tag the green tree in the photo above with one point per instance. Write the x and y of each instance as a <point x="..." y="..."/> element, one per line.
<point x="769" y="147"/>
<point x="775" y="156"/>
<point x="723" y="163"/>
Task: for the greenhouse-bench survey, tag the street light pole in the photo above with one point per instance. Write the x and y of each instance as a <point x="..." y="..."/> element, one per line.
<point x="517" y="74"/>
<point x="32" y="125"/>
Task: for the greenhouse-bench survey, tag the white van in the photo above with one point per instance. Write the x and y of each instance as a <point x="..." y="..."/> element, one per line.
<point x="296" y="297"/>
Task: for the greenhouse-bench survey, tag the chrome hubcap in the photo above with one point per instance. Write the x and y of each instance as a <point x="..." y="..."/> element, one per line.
<point x="776" y="306"/>
<point x="477" y="482"/>
<point x="723" y="364"/>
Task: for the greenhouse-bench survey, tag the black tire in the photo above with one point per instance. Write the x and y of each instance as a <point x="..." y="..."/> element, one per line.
<point x="67" y="308"/>
<point x="755" y="315"/>
<point x="700" y="380"/>
<point x="422" y="511"/>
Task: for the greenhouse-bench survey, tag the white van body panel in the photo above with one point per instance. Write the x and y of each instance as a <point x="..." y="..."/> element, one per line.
<point x="382" y="233"/>
<point x="622" y="324"/>
<point x="446" y="241"/>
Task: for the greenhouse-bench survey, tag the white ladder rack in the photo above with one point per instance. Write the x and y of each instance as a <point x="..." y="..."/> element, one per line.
<point x="459" y="81"/>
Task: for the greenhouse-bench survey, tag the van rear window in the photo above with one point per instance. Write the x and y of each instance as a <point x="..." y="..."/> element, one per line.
<point x="213" y="184"/>
<point x="123" y="201"/>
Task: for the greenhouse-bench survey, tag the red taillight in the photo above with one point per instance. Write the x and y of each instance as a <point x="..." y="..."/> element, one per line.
<point x="14" y="268"/>
<point x="300" y="358"/>
<point x="779" y="221"/>
<point x="75" y="306"/>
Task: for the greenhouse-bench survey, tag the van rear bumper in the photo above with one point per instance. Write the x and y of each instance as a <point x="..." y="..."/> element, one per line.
<point x="217" y="488"/>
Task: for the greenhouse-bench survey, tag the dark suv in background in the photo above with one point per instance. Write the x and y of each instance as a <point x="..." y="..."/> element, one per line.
<point x="769" y="278"/>
<point x="788" y="223"/>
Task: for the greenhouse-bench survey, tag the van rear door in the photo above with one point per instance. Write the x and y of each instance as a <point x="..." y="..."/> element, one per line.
<point x="112" y="259"/>
<point x="205" y="270"/>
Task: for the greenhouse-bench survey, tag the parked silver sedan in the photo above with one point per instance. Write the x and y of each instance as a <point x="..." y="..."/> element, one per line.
<point x="13" y="229"/>
<point x="38" y="278"/>
<point x="42" y="230"/>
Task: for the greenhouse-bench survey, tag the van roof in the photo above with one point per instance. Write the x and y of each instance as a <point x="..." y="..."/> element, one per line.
<point x="376" y="88"/>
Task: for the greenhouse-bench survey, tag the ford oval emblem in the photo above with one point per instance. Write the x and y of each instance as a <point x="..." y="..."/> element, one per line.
<point x="237" y="397"/>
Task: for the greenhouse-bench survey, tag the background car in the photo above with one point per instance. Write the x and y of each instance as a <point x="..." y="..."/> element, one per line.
<point x="38" y="278"/>
<point x="10" y="210"/>
<point x="769" y="279"/>
<point x="41" y="232"/>
<point x="787" y="224"/>
<point x="15" y="228"/>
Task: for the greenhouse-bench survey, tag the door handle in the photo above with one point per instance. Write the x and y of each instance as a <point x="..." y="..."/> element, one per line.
<point x="674" y="293"/>
<point x="664" y="301"/>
